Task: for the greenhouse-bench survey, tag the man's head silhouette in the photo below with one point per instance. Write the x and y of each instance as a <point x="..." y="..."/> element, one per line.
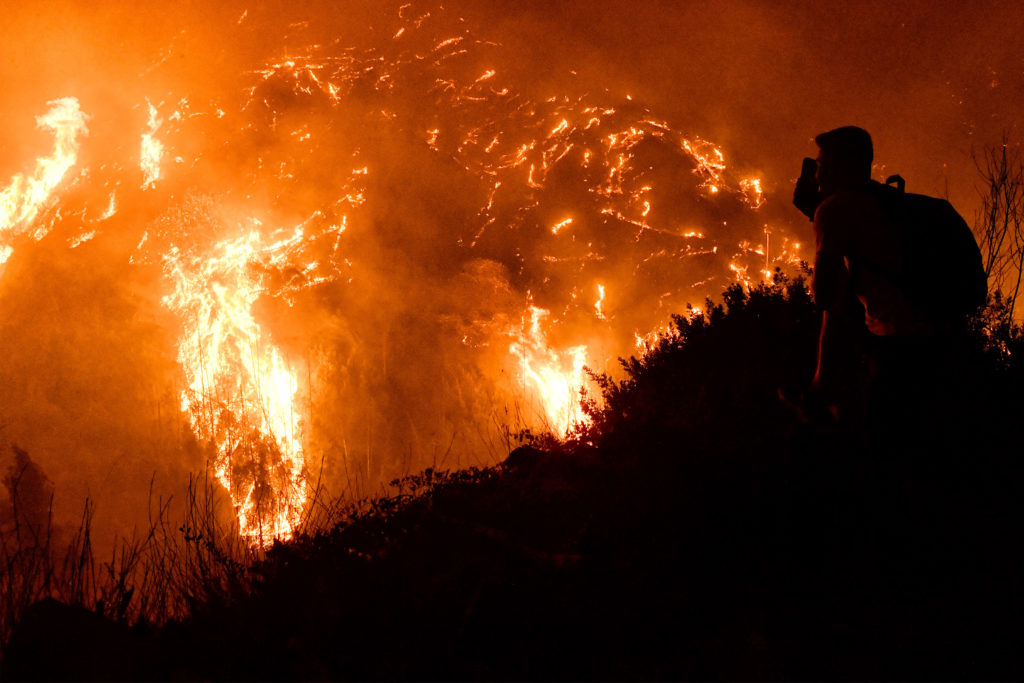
<point x="844" y="159"/>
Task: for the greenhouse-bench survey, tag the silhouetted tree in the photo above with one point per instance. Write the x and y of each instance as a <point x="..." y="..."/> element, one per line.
<point x="1000" y="222"/>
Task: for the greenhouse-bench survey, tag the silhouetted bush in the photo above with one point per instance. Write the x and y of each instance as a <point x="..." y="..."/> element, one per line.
<point x="719" y="367"/>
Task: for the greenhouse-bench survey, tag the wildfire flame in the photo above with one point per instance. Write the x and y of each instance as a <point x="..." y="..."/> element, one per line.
<point x="240" y="389"/>
<point x="599" y="304"/>
<point x="26" y="195"/>
<point x="555" y="378"/>
<point x="152" y="150"/>
<point x="563" y="195"/>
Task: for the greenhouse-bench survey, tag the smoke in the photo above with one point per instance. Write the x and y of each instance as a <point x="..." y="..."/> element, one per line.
<point x="418" y="179"/>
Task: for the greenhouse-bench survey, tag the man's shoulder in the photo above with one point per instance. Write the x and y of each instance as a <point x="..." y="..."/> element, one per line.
<point x="849" y="204"/>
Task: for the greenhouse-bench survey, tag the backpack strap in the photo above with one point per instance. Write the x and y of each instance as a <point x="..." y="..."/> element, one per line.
<point x="897" y="180"/>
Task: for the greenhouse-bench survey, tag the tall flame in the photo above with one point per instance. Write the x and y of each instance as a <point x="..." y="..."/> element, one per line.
<point x="151" y="150"/>
<point x="240" y="389"/>
<point x="553" y="378"/>
<point x="26" y="195"/>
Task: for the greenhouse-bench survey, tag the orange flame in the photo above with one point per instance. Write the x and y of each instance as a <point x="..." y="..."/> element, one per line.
<point x="152" y="150"/>
<point x="26" y="195"/>
<point x="752" y="192"/>
<point x="553" y="378"/>
<point x="599" y="304"/>
<point x="240" y="389"/>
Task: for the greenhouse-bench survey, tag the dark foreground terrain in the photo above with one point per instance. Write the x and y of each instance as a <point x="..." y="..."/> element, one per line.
<point x="699" y="530"/>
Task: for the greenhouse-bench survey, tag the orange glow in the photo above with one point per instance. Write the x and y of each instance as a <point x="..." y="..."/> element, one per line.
<point x="643" y="343"/>
<point x="559" y="225"/>
<point x="27" y="195"/>
<point x="152" y="151"/>
<point x="240" y="389"/>
<point x="751" y="188"/>
<point x="610" y="214"/>
<point x="599" y="304"/>
<point x="551" y="377"/>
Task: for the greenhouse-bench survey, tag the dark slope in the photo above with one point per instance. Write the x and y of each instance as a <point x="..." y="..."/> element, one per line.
<point x="697" y="531"/>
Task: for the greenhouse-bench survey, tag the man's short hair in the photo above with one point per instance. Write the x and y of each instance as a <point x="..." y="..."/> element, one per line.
<point x="850" y="145"/>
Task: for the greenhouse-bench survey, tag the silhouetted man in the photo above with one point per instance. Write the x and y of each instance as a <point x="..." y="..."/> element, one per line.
<point x="896" y="276"/>
<point x="880" y="254"/>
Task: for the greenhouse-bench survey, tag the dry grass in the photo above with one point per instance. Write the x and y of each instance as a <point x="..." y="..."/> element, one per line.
<point x="183" y="560"/>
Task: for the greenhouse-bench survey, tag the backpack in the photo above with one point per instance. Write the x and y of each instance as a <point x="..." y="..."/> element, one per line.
<point x="944" y="275"/>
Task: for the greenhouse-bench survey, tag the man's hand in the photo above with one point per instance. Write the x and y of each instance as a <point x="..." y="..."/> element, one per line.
<point x="806" y="196"/>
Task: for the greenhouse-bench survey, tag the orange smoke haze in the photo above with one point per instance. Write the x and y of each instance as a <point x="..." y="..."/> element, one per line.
<point x="313" y="242"/>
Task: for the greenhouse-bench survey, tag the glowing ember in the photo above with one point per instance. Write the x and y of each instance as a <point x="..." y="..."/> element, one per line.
<point x="559" y="225"/>
<point x="752" y="191"/>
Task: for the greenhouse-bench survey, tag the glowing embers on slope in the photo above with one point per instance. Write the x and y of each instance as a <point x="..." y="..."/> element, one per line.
<point x="240" y="389"/>
<point x="570" y="164"/>
<point x="555" y="379"/>
<point x="22" y="200"/>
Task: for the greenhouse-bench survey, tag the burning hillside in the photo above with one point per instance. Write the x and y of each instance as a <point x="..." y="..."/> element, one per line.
<point x="364" y="256"/>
